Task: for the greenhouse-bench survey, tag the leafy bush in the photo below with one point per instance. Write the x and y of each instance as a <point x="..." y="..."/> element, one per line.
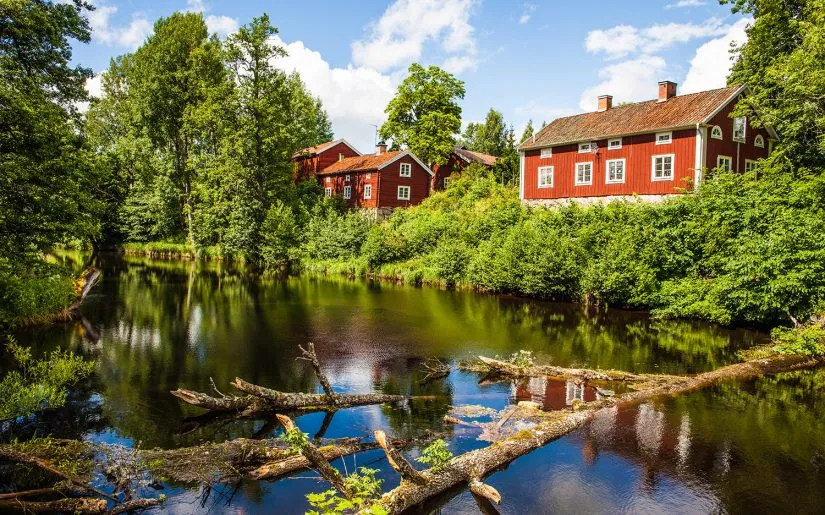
<point x="436" y="455"/>
<point x="365" y="489"/>
<point x="38" y="384"/>
<point x="808" y="340"/>
<point x="36" y="292"/>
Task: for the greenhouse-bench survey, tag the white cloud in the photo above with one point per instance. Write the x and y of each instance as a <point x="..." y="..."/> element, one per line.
<point x="528" y="11"/>
<point x="711" y="64"/>
<point x="623" y="40"/>
<point x="93" y="89"/>
<point x="401" y="33"/>
<point x="686" y="3"/>
<point x="222" y="25"/>
<point x="100" y="20"/>
<point x="354" y="97"/>
<point x="460" y="63"/>
<point x="628" y="81"/>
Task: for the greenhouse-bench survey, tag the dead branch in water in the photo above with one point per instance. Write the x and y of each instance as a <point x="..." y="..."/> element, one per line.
<point x="260" y="399"/>
<point x="436" y="369"/>
<point x="498" y="366"/>
<point x="471" y="466"/>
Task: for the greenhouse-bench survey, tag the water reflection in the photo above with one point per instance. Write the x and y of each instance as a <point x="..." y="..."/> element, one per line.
<point x="155" y="326"/>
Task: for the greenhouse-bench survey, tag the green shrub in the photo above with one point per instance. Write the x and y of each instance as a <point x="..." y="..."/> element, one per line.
<point x="808" y="340"/>
<point x="36" y="292"/>
<point x="436" y="455"/>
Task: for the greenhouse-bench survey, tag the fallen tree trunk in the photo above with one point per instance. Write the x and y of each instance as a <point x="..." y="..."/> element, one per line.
<point x="471" y="466"/>
<point x="68" y="504"/>
<point x="507" y="368"/>
<point x="297" y="462"/>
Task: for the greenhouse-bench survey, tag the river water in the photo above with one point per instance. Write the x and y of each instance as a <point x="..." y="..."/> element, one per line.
<point x="153" y="326"/>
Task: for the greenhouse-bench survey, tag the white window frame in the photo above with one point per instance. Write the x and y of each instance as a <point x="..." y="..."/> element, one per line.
<point x="446" y="182"/>
<point x="346" y="178"/>
<point x="744" y="121"/>
<point x="550" y="171"/>
<point x="672" y="167"/>
<point x="721" y="158"/>
<point x="347" y="192"/>
<point x="546" y="153"/>
<point x="405" y="170"/>
<point x="753" y="164"/>
<point x="610" y="143"/>
<point x="407" y="189"/>
<point x="716" y="129"/>
<point x="607" y="179"/>
<point x="367" y="191"/>
<point x="327" y="192"/>
<point x="368" y="176"/>
<point x="576" y="177"/>
<point x="328" y="180"/>
<point x="586" y="148"/>
<point x="759" y="141"/>
<point x="669" y="138"/>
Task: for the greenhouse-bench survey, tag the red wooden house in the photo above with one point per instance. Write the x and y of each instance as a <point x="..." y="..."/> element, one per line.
<point x="381" y="182"/>
<point x="310" y="161"/>
<point x="460" y="158"/>
<point x="651" y="149"/>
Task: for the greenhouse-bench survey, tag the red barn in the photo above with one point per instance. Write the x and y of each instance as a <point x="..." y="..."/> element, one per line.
<point x="651" y="149"/>
<point x="460" y="158"/>
<point x="381" y="182"/>
<point x="310" y="161"/>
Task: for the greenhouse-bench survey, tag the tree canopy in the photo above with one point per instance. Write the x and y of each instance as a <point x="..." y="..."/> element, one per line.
<point x="424" y="116"/>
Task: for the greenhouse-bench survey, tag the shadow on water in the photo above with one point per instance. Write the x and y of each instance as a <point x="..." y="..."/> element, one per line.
<point x="154" y="326"/>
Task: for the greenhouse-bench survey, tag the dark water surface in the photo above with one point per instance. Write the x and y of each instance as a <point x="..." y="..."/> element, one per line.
<point x="154" y="326"/>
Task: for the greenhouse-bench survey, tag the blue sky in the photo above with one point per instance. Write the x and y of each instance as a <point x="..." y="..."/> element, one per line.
<point x="530" y="60"/>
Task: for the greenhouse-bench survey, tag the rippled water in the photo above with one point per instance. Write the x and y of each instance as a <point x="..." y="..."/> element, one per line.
<point x="154" y="326"/>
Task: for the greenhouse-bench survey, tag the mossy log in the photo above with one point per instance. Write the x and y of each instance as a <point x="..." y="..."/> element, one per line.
<point x="470" y="467"/>
<point x="507" y="368"/>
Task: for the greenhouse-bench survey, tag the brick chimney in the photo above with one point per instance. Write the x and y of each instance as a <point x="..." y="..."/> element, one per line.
<point x="667" y="90"/>
<point x="381" y="148"/>
<point x="605" y="103"/>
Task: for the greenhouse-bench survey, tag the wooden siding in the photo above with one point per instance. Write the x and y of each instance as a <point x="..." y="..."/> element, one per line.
<point x="357" y="181"/>
<point x="308" y="166"/>
<point x="739" y="152"/>
<point x="419" y="184"/>
<point x="638" y="152"/>
<point x="453" y="165"/>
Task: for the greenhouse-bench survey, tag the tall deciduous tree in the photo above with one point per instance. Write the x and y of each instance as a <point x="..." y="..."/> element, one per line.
<point x="46" y="180"/>
<point x="424" y="115"/>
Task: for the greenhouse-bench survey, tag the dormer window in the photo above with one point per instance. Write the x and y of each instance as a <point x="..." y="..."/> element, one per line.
<point x="664" y="138"/>
<point x="546" y="153"/>
<point x="739" y="125"/>
<point x="759" y="141"/>
<point x="716" y="132"/>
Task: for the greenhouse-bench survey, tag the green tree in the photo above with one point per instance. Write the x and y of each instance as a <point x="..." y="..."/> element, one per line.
<point x="424" y="116"/>
<point x="782" y="63"/>
<point x="528" y="132"/>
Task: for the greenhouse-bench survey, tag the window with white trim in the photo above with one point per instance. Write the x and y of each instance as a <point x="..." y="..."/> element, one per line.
<point x="759" y="141"/>
<point x="584" y="148"/>
<point x="716" y="132"/>
<point x="546" y="152"/>
<point x="614" y="144"/>
<point x="584" y="174"/>
<point x="664" y="138"/>
<point x="446" y="182"/>
<point x="662" y="168"/>
<point x="328" y="180"/>
<point x="725" y="163"/>
<point x="739" y="128"/>
<point x="368" y="176"/>
<point x="347" y="191"/>
<point x="545" y="176"/>
<point x="403" y="193"/>
<point x="367" y="191"/>
<point x="346" y="178"/>
<point x="751" y="165"/>
<point x="328" y="192"/>
<point x="406" y="170"/>
<point x="614" y="173"/>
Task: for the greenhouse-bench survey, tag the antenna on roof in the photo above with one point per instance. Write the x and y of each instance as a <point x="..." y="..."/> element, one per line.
<point x="375" y="135"/>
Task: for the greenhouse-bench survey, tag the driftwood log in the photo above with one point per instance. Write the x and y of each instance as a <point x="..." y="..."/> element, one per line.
<point x="498" y="366"/>
<point x="470" y="467"/>
<point x="259" y="399"/>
